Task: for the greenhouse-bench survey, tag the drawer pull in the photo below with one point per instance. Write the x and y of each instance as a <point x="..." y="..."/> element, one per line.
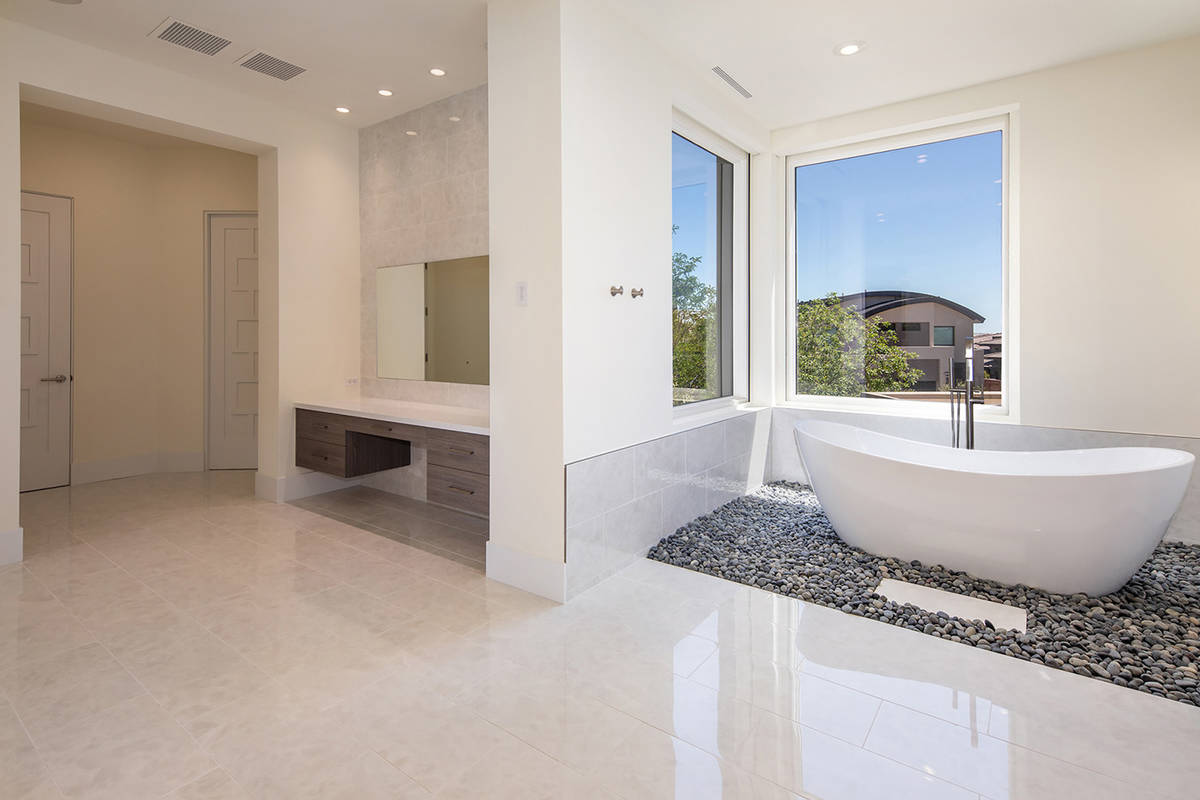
<point x="460" y="489"/>
<point x="459" y="451"/>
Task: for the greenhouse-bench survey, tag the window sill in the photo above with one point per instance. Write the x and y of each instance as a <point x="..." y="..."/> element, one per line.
<point x="696" y="415"/>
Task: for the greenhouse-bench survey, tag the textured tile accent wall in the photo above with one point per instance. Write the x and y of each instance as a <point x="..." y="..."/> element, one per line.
<point x="422" y="198"/>
<point x="621" y="503"/>
<point x="784" y="462"/>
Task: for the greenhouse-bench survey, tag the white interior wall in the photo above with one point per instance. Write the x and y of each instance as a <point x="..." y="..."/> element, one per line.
<point x="618" y="96"/>
<point x="580" y="112"/>
<point x="526" y="345"/>
<point x="1105" y="188"/>
<point x="308" y="204"/>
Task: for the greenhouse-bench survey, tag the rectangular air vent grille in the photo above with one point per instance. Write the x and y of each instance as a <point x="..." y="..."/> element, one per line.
<point x="270" y="65"/>
<point x="737" y="87"/>
<point x="185" y="35"/>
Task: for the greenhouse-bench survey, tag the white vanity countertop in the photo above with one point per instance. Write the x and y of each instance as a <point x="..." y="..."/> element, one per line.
<point x="449" y="418"/>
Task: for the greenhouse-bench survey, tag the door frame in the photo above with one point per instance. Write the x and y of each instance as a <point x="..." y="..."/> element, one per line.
<point x="209" y="216"/>
<point x="70" y="341"/>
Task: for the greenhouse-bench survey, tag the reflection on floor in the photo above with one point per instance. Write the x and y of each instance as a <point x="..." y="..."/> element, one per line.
<point x="434" y="529"/>
<point x="172" y="637"/>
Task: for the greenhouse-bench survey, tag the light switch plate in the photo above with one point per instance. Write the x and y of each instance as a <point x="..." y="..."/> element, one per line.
<point x="522" y="293"/>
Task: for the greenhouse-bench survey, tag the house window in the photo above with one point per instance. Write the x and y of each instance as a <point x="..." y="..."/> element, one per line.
<point x="702" y="220"/>
<point x="885" y="239"/>
<point x="943" y="336"/>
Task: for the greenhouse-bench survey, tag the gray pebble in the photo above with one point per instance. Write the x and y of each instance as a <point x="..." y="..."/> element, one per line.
<point x="1145" y="636"/>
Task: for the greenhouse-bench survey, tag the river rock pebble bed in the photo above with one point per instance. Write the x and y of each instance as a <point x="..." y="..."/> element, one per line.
<point x="1145" y="636"/>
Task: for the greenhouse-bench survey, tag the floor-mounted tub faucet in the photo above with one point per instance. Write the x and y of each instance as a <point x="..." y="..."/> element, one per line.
<point x="968" y="398"/>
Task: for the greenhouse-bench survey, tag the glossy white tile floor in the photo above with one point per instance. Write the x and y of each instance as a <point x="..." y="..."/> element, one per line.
<point x="171" y="637"/>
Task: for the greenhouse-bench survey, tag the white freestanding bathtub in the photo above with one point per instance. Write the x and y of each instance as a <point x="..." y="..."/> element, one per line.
<point x="1065" y="521"/>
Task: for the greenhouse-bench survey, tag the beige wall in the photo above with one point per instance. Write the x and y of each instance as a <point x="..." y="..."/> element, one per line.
<point x="308" y="222"/>
<point x="139" y="284"/>
<point x="1104" y="195"/>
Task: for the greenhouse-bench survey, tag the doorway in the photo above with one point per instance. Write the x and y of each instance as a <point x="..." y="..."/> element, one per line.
<point x="232" y="268"/>
<point x="46" y="377"/>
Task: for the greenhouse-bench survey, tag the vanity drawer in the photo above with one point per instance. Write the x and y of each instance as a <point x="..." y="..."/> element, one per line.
<point x="391" y="430"/>
<point x="456" y="488"/>
<point x="465" y="451"/>
<point x="321" y="456"/>
<point x="320" y="426"/>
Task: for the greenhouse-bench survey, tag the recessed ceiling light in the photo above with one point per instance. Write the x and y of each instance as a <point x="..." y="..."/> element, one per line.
<point x="386" y="92"/>
<point x="456" y="119"/>
<point x="849" y="48"/>
<point x="342" y="110"/>
<point x="410" y="133"/>
<point x="67" y="2"/>
<point x="437" y="72"/>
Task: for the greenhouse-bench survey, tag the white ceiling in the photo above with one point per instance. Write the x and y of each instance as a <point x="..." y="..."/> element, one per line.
<point x="782" y="50"/>
<point x="351" y="48"/>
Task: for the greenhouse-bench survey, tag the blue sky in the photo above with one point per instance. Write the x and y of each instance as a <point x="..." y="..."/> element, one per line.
<point x="694" y="204"/>
<point x="923" y="219"/>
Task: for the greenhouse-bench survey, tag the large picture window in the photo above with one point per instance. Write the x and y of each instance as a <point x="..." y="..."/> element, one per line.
<point x="701" y="272"/>
<point x="899" y="269"/>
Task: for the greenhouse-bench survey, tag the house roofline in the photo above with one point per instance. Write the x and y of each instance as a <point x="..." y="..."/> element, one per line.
<point x="897" y="299"/>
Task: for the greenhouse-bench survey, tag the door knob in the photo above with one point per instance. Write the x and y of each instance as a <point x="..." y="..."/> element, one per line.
<point x="55" y="379"/>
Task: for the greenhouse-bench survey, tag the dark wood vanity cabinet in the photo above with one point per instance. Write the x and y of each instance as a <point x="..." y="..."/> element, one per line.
<point x="348" y="446"/>
<point x="338" y="446"/>
<point x="458" y="471"/>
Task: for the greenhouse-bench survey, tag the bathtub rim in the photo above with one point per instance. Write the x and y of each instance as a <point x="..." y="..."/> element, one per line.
<point x="804" y="427"/>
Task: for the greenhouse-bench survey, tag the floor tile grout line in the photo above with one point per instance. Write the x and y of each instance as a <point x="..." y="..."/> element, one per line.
<point x="981" y="731"/>
<point x="721" y="758"/>
<point x="41" y="757"/>
<point x="871" y="727"/>
<point x="146" y="690"/>
<point x="1004" y="742"/>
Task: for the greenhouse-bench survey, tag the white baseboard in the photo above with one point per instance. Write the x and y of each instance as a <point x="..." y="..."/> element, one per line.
<point x="284" y="489"/>
<point x="532" y="574"/>
<point x="141" y="464"/>
<point x="12" y="546"/>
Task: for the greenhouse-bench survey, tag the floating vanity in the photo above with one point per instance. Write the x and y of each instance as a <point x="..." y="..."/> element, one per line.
<point x="361" y="436"/>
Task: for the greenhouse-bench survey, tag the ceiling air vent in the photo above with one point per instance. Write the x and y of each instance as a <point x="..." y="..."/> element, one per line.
<point x="191" y="37"/>
<point x="737" y="87"/>
<point x="270" y="65"/>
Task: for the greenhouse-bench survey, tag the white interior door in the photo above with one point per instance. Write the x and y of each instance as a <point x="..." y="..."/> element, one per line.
<point x="45" y="341"/>
<point x="233" y="341"/>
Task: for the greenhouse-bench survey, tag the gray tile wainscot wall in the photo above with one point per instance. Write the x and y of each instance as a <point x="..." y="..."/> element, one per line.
<point x="620" y="504"/>
<point x="422" y="198"/>
<point x="784" y="461"/>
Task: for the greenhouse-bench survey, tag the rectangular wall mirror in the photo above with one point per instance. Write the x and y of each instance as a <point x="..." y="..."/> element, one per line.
<point x="432" y="321"/>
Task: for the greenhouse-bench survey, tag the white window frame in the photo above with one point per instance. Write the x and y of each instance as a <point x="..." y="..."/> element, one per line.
<point x="1003" y="120"/>
<point x="705" y="137"/>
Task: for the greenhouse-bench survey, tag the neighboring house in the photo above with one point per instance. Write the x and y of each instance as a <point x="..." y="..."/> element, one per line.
<point x="989" y="346"/>
<point x="932" y="328"/>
